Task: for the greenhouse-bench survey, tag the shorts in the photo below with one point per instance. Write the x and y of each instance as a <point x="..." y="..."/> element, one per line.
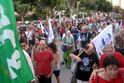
<point x="56" y="73"/>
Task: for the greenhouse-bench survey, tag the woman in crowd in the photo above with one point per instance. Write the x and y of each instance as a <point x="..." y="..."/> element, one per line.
<point x="52" y="46"/>
<point x="35" y="48"/>
<point x="68" y="44"/>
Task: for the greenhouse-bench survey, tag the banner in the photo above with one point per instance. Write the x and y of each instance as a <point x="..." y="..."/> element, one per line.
<point x="103" y="38"/>
<point x="50" y="32"/>
<point x="13" y="65"/>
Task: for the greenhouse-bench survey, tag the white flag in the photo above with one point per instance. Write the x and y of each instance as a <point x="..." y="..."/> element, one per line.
<point x="50" y="32"/>
<point x="103" y="38"/>
<point x="40" y="25"/>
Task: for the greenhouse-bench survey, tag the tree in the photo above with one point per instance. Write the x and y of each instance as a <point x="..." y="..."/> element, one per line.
<point x="43" y="6"/>
<point x="103" y="5"/>
<point x="73" y="6"/>
<point x="22" y="9"/>
<point x="48" y="7"/>
<point x="88" y="4"/>
<point x="99" y="5"/>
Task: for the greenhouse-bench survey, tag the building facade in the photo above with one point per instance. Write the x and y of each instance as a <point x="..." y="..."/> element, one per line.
<point x="117" y="3"/>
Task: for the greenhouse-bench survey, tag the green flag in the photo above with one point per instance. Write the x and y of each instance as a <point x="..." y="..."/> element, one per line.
<point x="13" y="65"/>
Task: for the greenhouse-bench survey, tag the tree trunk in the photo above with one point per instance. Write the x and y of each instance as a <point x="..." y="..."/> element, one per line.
<point x="77" y="6"/>
<point x="22" y="19"/>
<point x="71" y="12"/>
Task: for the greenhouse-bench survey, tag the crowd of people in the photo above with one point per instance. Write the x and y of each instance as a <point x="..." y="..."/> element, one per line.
<point x="75" y="36"/>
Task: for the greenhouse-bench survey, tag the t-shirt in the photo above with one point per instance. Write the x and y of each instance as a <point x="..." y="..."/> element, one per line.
<point x="84" y="69"/>
<point x="29" y="35"/>
<point x="98" y="79"/>
<point x="43" y="62"/>
<point x="117" y="55"/>
<point x="68" y="40"/>
<point x="74" y="31"/>
<point x="85" y="38"/>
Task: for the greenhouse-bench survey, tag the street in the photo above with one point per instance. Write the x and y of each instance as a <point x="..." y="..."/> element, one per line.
<point x="65" y="76"/>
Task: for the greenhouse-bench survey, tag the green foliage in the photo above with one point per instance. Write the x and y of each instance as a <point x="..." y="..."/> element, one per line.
<point x="62" y="5"/>
<point x="88" y="4"/>
<point x="41" y="8"/>
<point x="21" y="8"/>
<point x="103" y="5"/>
<point x="45" y="7"/>
<point x="18" y="18"/>
<point x="99" y="5"/>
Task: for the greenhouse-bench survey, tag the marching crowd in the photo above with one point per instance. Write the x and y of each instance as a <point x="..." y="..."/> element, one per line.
<point x="75" y="36"/>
